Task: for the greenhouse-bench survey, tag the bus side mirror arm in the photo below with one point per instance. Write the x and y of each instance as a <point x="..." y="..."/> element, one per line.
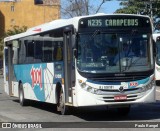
<point x="154" y="49"/>
<point x="75" y="53"/>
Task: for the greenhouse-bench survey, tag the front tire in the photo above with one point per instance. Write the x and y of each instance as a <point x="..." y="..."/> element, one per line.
<point x="21" y="95"/>
<point x="61" y="103"/>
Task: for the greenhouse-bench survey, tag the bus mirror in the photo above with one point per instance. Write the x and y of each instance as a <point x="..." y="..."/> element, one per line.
<point x="75" y="53"/>
<point x="158" y="39"/>
<point x="15" y="44"/>
<point x="68" y="29"/>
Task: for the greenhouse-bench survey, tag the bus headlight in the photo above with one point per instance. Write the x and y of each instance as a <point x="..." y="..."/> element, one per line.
<point x="87" y="87"/>
<point x="83" y="85"/>
<point x="148" y="86"/>
<point x="92" y="90"/>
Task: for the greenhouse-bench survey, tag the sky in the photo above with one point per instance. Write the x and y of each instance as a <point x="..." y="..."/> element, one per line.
<point x="110" y="6"/>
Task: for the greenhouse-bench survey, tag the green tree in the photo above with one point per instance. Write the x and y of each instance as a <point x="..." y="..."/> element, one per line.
<point x="129" y="7"/>
<point x="140" y="7"/>
<point x="15" y="30"/>
<point x="144" y="7"/>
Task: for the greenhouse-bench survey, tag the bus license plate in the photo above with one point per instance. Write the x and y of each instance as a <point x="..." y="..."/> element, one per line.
<point x="121" y="97"/>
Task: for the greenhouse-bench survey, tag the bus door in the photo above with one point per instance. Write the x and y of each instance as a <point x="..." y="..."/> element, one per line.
<point x="8" y="69"/>
<point x="5" y="72"/>
<point x="67" y="57"/>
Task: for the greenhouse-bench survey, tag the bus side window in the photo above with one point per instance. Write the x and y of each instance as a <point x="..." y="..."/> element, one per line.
<point x="30" y="52"/>
<point x="47" y="51"/>
<point x="38" y="51"/>
<point x="15" y="51"/>
<point x="59" y="54"/>
<point x="22" y="53"/>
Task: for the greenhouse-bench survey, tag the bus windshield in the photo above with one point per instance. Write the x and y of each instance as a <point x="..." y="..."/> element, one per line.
<point x="102" y="52"/>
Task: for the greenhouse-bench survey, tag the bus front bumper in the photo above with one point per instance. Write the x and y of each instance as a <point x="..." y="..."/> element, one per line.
<point x="85" y="98"/>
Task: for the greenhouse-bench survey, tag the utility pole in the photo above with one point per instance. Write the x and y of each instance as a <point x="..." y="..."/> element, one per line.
<point x="151" y="9"/>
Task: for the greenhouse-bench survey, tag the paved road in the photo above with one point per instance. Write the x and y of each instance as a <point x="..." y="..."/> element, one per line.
<point x="11" y="111"/>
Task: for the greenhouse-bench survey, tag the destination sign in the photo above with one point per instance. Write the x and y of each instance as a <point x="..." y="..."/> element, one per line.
<point x="114" y="21"/>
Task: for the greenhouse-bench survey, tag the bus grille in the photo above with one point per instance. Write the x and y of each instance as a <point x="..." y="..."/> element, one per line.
<point x="125" y="90"/>
<point x="119" y="79"/>
<point x="131" y="94"/>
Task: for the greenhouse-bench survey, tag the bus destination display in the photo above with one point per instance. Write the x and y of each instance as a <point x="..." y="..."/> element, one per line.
<point x="113" y="22"/>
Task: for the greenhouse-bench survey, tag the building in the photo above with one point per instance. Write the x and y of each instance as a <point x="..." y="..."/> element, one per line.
<point x="2" y="24"/>
<point x="27" y="13"/>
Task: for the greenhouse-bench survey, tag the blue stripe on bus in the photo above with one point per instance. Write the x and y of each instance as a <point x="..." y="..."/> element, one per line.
<point x="138" y="82"/>
<point x="25" y="73"/>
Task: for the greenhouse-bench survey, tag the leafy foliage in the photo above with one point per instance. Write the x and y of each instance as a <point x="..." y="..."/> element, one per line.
<point x="15" y="30"/>
<point x="144" y="7"/>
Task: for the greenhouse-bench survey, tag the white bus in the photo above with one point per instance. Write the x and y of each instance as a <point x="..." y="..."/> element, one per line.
<point x="81" y="62"/>
<point x="156" y="38"/>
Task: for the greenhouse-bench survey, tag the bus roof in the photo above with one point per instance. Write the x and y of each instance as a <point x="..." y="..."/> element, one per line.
<point x="58" y="24"/>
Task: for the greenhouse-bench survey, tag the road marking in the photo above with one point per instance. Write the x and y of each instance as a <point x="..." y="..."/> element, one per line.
<point x="158" y="90"/>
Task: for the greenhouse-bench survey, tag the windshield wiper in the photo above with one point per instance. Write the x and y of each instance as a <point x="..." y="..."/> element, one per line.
<point x="130" y="62"/>
<point x="94" y="34"/>
<point x="126" y="66"/>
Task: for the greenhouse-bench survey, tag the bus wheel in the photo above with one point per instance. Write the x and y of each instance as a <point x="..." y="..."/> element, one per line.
<point x="21" y="95"/>
<point x="61" y="103"/>
<point x="123" y="111"/>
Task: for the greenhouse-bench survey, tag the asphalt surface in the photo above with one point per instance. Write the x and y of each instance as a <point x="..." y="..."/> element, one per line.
<point x="11" y="111"/>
